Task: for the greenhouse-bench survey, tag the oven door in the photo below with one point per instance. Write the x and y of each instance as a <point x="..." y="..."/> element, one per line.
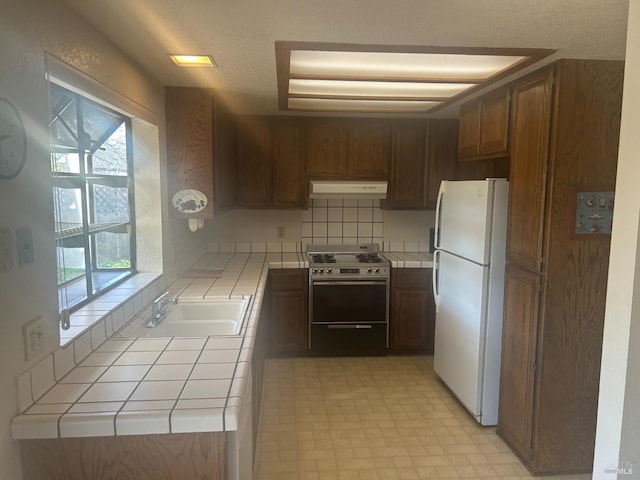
<point x="349" y="302"/>
<point x="348" y="318"/>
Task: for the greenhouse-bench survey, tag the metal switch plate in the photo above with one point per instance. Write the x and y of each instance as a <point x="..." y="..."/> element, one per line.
<point x="25" y="245"/>
<point x="6" y="249"/>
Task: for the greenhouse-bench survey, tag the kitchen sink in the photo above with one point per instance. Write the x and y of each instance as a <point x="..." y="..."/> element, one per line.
<point x="195" y="318"/>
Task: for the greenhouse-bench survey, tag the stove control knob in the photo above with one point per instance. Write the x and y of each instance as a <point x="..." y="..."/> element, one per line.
<point x="369" y="270"/>
<point x="377" y="270"/>
<point x="321" y="270"/>
<point x="314" y="271"/>
<point x="329" y="270"/>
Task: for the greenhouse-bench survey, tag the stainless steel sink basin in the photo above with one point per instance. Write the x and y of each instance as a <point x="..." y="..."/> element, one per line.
<point x="203" y="318"/>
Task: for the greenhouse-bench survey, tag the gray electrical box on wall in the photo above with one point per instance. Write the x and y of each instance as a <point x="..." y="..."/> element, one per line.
<point x="6" y="249"/>
<point x="25" y="245"/>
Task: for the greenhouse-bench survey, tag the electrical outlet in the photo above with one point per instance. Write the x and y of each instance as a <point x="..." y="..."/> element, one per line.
<point x="34" y="333"/>
<point x="280" y="229"/>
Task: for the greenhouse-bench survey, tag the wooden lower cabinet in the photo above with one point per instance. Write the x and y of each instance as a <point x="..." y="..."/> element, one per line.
<point x="288" y="312"/>
<point x="411" y="311"/>
<point x="171" y="456"/>
<point x="522" y="297"/>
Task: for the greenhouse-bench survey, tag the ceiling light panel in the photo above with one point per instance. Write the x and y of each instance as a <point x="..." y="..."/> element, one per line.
<point x="336" y="105"/>
<point x="391" y="65"/>
<point x="193" y="60"/>
<point x="359" y="88"/>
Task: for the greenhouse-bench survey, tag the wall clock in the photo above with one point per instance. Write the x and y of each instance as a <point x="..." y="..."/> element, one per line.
<point x="13" y="140"/>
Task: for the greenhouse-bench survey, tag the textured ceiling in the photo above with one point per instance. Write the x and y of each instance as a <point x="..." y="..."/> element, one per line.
<point x="240" y="34"/>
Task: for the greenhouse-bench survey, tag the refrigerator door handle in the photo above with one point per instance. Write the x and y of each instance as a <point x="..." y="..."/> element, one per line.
<point x="436" y="239"/>
<point x="436" y="295"/>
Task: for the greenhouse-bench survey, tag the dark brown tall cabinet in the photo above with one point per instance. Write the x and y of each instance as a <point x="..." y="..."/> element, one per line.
<point x="564" y="138"/>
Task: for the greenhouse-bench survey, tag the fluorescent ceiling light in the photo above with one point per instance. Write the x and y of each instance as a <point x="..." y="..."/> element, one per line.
<point x="360" y="88"/>
<point x="193" y="60"/>
<point x="394" y="65"/>
<point x="336" y="105"/>
<point x="389" y="78"/>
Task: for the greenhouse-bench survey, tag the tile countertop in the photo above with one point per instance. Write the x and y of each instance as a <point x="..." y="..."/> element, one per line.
<point x="410" y="259"/>
<point x="140" y="386"/>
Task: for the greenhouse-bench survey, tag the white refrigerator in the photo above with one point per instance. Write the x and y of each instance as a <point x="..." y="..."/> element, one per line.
<point x="468" y="283"/>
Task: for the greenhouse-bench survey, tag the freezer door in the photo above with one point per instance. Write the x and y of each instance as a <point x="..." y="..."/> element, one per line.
<point x="463" y="225"/>
<point x="460" y="328"/>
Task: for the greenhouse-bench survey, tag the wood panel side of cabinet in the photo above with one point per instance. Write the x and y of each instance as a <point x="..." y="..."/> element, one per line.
<point x="176" y="455"/>
<point x="407" y="175"/>
<point x="327" y="148"/>
<point x="440" y="157"/>
<point x="290" y="185"/>
<point x="469" y="136"/>
<point x="531" y="114"/>
<point x="519" y="341"/>
<point x="254" y="165"/>
<point x="494" y="124"/>
<point x="369" y="152"/>
<point x="189" y="144"/>
<point x="224" y="159"/>
<point x="584" y="156"/>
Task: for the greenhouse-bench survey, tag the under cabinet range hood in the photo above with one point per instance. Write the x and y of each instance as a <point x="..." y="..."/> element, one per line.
<point x="347" y="189"/>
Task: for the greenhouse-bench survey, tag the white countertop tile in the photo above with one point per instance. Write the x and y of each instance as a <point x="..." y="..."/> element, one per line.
<point x="115" y="345"/>
<point x="100" y="358"/>
<point x="137" y="358"/>
<point x="64" y="393"/>
<point x="218" y="356"/>
<point x="111" y="392"/>
<point x="198" y="420"/>
<point x="83" y="375"/>
<point x="178" y="356"/>
<point x="41" y="408"/>
<point x="187" y="344"/>
<point x="158" y="390"/>
<point x="124" y="373"/>
<point x="151" y="422"/>
<point x="96" y="407"/>
<point x="223" y="343"/>
<point x="144" y="405"/>
<point x="169" y="372"/>
<point x="87" y="424"/>
<point x="149" y="344"/>
<point x="194" y="403"/>
<point x="206" y="389"/>
<point x="208" y="371"/>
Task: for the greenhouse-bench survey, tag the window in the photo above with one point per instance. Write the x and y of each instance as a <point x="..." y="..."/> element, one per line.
<point x="93" y="195"/>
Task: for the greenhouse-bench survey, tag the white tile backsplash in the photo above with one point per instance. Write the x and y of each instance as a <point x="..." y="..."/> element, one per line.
<point x="63" y="361"/>
<point x="42" y="377"/>
<point x="23" y="391"/>
<point x="343" y="221"/>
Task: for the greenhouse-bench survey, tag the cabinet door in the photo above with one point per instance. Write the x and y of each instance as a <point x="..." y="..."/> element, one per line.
<point x="529" y="153"/>
<point x="290" y="188"/>
<point x="441" y="157"/>
<point x="407" y="179"/>
<point x="519" y="339"/>
<point x="189" y="143"/>
<point x="494" y="124"/>
<point x="327" y="148"/>
<point x="370" y="149"/>
<point x="254" y="166"/>
<point x="412" y="311"/>
<point x="469" y="137"/>
<point x="224" y="160"/>
<point x="288" y="312"/>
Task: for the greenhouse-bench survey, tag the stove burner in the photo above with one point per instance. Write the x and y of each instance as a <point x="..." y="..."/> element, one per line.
<point x="368" y="258"/>
<point x="323" y="258"/>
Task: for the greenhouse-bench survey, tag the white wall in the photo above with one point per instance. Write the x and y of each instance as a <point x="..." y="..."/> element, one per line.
<point x="618" y="429"/>
<point x="27" y="29"/>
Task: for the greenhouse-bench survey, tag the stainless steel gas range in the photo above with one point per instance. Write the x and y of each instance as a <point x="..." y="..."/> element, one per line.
<point x="348" y="300"/>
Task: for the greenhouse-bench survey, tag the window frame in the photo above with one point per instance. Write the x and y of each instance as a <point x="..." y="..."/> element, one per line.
<point x="86" y="180"/>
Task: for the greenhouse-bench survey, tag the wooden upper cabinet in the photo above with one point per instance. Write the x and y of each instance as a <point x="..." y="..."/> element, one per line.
<point x="440" y="158"/>
<point x="406" y="180"/>
<point x="494" y="124"/>
<point x="224" y="160"/>
<point x="189" y="144"/>
<point x="469" y="135"/>
<point x="327" y="148"/>
<point x="370" y="147"/>
<point x="290" y="186"/>
<point x="531" y="117"/>
<point x="484" y="127"/>
<point x="254" y="172"/>
<point x="522" y="299"/>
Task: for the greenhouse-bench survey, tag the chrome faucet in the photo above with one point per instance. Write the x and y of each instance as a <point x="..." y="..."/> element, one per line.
<point x="160" y="308"/>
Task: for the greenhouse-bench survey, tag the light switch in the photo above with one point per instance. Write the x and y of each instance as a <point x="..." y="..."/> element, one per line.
<point x="6" y="249"/>
<point x="25" y="245"/>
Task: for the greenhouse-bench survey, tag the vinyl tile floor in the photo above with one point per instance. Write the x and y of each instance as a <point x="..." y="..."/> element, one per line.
<point x="372" y="418"/>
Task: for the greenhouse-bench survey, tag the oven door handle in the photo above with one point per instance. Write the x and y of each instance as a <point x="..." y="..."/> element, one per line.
<point x="352" y="327"/>
<point x="352" y="282"/>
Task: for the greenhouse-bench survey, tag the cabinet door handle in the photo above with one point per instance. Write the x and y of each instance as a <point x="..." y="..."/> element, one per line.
<point x="355" y="326"/>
